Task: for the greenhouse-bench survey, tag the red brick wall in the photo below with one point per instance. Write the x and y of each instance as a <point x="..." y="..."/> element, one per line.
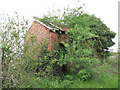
<point x="53" y="39"/>
<point x="42" y="32"/>
<point x="64" y="37"/>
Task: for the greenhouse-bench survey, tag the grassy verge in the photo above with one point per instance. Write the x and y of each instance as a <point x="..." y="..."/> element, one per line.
<point x="28" y="81"/>
<point x="111" y="82"/>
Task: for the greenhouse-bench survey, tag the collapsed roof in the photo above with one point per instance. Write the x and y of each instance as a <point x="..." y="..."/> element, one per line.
<point x="55" y="28"/>
<point x="50" y="26"/>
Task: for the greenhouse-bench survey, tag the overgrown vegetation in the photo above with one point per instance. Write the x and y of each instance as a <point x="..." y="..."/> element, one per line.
<point x="72" y="64"/>
<point x="73" y="17"/>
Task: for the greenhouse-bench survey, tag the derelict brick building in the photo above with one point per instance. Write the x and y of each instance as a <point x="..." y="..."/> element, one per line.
<point x="41" y="30"/>
<point x="44" y="31"/>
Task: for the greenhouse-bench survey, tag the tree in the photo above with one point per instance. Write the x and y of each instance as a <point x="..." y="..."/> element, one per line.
<point x="13" y="30"/>
<point x="76" y="16"/>
<point x="97" y="27"/>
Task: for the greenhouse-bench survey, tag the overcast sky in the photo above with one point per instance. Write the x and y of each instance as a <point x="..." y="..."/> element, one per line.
<point x="106" y="10"/>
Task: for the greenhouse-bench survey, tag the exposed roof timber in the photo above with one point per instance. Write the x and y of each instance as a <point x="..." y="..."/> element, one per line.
<point x="55" y="26"/>
<point x="44" y="24"/>
<point x="49" y="26"/>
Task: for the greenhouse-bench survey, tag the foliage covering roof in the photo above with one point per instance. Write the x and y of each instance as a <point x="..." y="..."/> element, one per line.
<point x="49" y="25"/>
<point x="54" y="28"/>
